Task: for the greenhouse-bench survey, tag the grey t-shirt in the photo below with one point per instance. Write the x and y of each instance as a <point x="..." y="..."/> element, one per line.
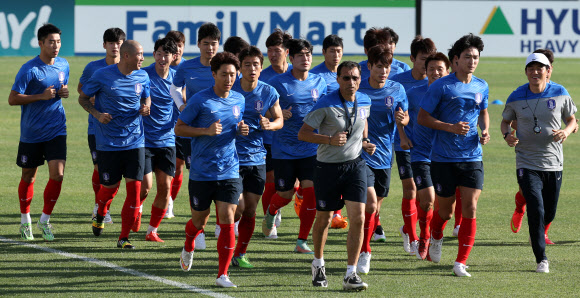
<point x="538" y="151"/>
<point x="329" y="117"/>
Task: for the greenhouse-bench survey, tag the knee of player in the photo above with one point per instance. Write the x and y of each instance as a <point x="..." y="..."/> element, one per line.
<point x="57" y="177"/>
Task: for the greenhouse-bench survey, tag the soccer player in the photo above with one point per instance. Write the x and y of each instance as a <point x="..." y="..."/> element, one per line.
<point x="261" y="106"/>
<point x="196" y="75"/>
<point x="539" y="108"/>
<point x="437" y="66"/>
<point x="340" y="176"/>
<point x="38" y="88"/>
<point x="113" y="38"/>
<point x="121" y="94"/>
<point x="213" y="118"/>
<point x="389" y="107"/>
<point x="294" y="159"/>
<point x="373" y="37"/>
<point x="397" y="66"/>
<point x="159" y="136"/>
<point x="179" y="38"/>
<point x="454" y="106"/>
<point x="332" y="49"/>
<point x="421" y="48"/>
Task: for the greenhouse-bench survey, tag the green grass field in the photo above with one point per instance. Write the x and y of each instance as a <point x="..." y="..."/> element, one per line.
<point x="502" y="263"/>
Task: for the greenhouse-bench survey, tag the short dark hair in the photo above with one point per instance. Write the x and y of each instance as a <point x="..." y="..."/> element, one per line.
<point x="376" y="36"/>
<point x="348" y="65"/>
<point x="235" y="44"/>
<point x="177" y="36"/>
<point x="424" y="45"/>
<point x="466" y="42"/>
<point x="332" y="40"/>
<point x="450" y="54"/>
<point x="278" y="38"/>
<point x="394" y="35"/>
<point x="380" y="54"/>
<point x="251" y="51"/>
<point x="209" y="30"/>
<point x="224" y="58"/>
<point x="167" y="44"/>
<point x="548" y="53"/>
<point x="438" y="57"/>
<point x="114" y="35"/>
<point x="295" y="46"/>
<point x="47" y="29"/>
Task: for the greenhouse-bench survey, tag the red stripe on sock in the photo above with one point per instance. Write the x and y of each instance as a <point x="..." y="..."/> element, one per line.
<point x="190" y="233"/>
<point x="51" y="194"/>
<point x="105" y="197"/>
<point x="307" y="212"/>
<point x="368" y="231"/>
<point x="245" y="230"/>
<point x="269" y="191"/>
<point x="437" y="226"/>
<point x="96" y="184"/>
<point x="25" y="194"/>
<point x="130" y="208"/>
<point x="424" y="218"/>
<point x="458" y="210"/>
<point x="225" y="247"/>
<point x="278" y="202"/>
<point x="466" y="238"/>
<point x="156" y="216"/>
<point x="176" y="186"/>
<point x="409" y="210"/>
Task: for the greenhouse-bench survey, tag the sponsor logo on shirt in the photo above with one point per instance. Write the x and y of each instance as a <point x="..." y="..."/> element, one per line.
<point x="236" y="111"/>
<point x="259" y="105"/>
<point x="138" y="88"/>
<point x="551" y="104"/>
<point x="61" y="77"/>
<point x="478" y="98"/>
<point x="314" y="93"/>
<point x="389" y="101"/>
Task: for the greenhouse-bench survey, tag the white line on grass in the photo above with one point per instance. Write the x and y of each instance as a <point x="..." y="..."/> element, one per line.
<point x="119" y="268"/>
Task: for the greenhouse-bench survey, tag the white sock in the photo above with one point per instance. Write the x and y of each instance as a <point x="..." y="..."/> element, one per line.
<point x="318" y="262"/>
<point x="25" y="218"/>
<point x="44" y="217"/>
<point x="151" y="229"/>
<point x="350" y="269"/>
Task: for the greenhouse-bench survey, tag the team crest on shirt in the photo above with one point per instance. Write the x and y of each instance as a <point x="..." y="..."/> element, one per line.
<point x="551" y="104"/>
<point x="106" y="177"/>
<point x="478" y="98"/>
<point x="236" y="111"/>
<point x="24" y="159"/>
<point x="281" y="182"/>
<point x="389" y="100"/>
<point x="402" y="170"/>
<point x="438" y="187"/>
<point x="61" y="77"/>
<point x="520" y="173"/>
<point x="138" y="88"/>
<point x="259" y="106"/>
<point x="363" y="114"/>
<point x="322" y="204"/>
<point x="315" y="94"/>
<point x="419" y="180"/>
<point x="195" y="201"/>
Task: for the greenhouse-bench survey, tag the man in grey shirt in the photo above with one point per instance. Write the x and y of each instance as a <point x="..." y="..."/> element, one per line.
<point x="340" y="175"/>
<point x="539" y="107"/>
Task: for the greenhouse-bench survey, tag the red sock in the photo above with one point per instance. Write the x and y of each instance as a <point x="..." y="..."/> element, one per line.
<point x="190" y="233"/>
<point x="546" y="228"/>
<point x="269" y="191"/>
<point x="424" y="218"/>
<point x="278" y="202"/>
<point x="25" y="194"/>
<point x="96" y="184"/>
<point x="307" y="212"/>
<point x="245" y="230"/>
<point x="176" y="186"/>
<point x="437" y="226"/>
<point x="105" y="197"/>
<point x="225" y="247"/>
<point x="338" y="212"/>
<point x="458" y="210"/>
<point x="409" y="211"/>
<point x="368" y="232"/>
<point x="130" y="208"/>
<point x="466" y="238"/>
<point x="520" y="202"/>
<point x="51" y="193"/>
<point x="156" y="216"/>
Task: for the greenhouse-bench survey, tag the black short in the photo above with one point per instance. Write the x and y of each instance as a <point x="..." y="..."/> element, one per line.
<point x="422" y="174"/>
<point x="183" y="150"/>
<point x="404" y="164"/>
<point x="202" y="193"/>
<point x="160" y="158"/>
<point x="269" y="164"/>
<point x="447" y="176"/>
<point x="336" y="182"/>
<point x="93" y="148"/>
<point x="33" y="155"/>
<point x="114" y="165"/>
<point x="287" y="170"/>
<point x="253" y="178"/>
<point x="380" y="179"/>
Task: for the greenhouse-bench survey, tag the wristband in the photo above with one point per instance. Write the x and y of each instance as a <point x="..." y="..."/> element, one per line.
<point x="366" y="140"/>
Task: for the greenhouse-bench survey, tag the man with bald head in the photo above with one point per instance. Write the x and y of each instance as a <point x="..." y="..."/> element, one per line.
<point x="121" y="94"/>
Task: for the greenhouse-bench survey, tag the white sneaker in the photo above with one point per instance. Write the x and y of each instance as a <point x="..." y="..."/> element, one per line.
<point x="456" y="231"/>
<point x="379" y="238"/>
<point x="406" y="244"/>
<point x="459" y="269"/>
<point x="414" y="247"/>
<point x="236" y="228"/>
<point x="169" y="212"/>
<point x="273" y="233"/>
<point x="543" y="267"/>
<point x="200" y="242"/>
<point x="278" y="219"/>
<point x="435" y="249"/>
<point x="224" y="282"/>
<point x="108" y="218"/>
<point x="364" y="263"/>
<point x="186" y="259"/>
<point x="218" y="230"/>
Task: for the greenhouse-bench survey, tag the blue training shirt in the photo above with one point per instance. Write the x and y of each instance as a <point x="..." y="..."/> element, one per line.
<point x="451" y="101"/>
<point x="87" y="74"/>
<point x="398" y="67"/>
<point x="41" y="120"/>
<point x="382" y="125"/>
<point x="265" y="76"/>
<point x="214" y="158"/>
<point x="251" y="151"/>
<point x="159" y="124"/>
<point x="301" y="97"/>
<point x="194" y="76"/>
<point x="365" y="72"/>
<point x="422" y="137"/>
<point x="120" y="96"/>
<point x="327" y="75"/>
